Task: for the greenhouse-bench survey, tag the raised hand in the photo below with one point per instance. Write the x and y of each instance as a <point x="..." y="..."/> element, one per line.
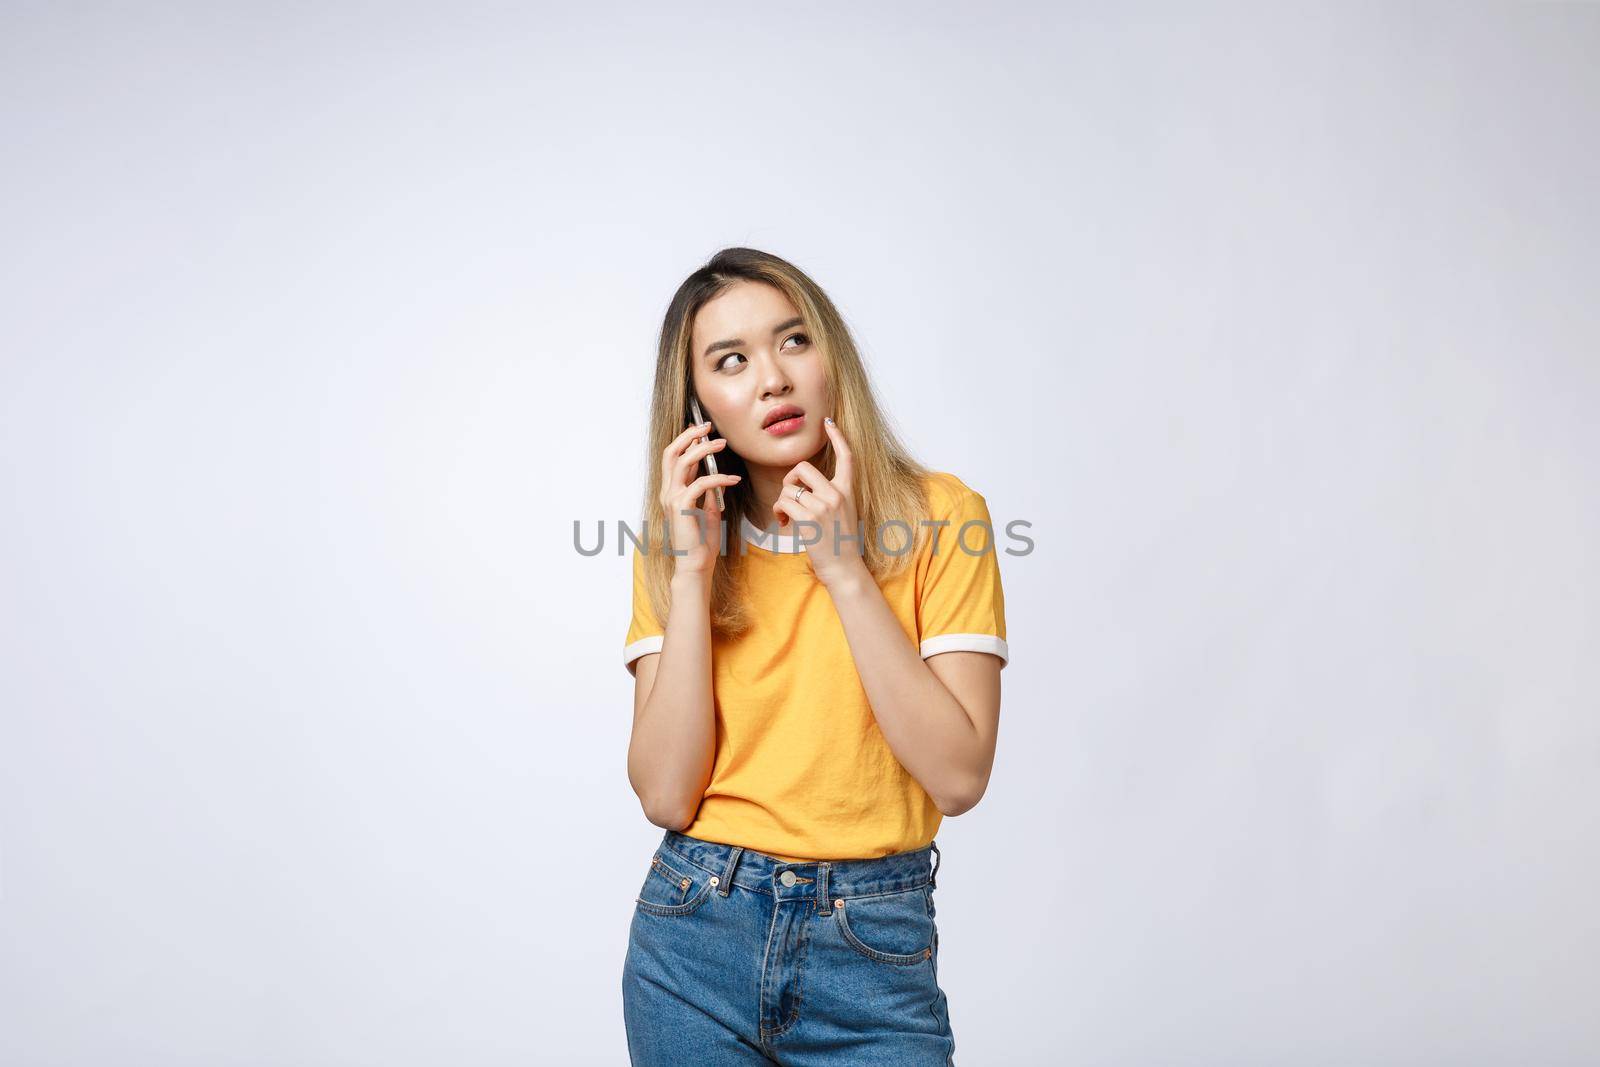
<point x="835" y="544"/>
<point x="696" y="530"/>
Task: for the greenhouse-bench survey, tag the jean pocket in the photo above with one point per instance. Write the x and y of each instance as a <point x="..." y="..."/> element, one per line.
<point x="675" y="888"/>
<point x="894" y="928"/>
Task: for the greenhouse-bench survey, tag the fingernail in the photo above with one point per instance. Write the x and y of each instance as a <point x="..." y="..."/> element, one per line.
<point x="828" y="419"/>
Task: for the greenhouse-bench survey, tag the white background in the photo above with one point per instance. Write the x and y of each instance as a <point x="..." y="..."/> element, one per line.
<point x="321" y="324"/>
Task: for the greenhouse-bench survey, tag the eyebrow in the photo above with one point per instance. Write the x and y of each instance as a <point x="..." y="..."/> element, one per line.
<point x="718" y="346"/>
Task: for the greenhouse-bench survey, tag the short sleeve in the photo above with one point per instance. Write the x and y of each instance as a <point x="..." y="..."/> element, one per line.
<point x="645" y="632"/>
<point x="960" y="604"/>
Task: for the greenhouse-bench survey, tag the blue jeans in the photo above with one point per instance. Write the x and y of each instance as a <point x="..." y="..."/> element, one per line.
<point x="735" y="957"/>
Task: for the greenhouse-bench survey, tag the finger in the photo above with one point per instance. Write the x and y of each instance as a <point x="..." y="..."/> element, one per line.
<point x="696" y="452"/>
<point x="714" y="497"/>
<point x="844" y="460"/>
<point x="680" y="442"/>
<point x="789" y="513"/>
<point x="786" y="507"/>
<point x="688" y="466"/>
<point x="689" y="433"/>
<point x="699" y="494"/>
<point x="805" y="474"/>
<point x="695" y="489"/>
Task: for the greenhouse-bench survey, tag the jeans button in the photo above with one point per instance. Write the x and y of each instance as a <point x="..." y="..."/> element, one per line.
<point x="787" y="878"/>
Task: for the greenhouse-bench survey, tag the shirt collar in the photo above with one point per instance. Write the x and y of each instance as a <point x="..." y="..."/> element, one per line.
<point x="770" y="540"/>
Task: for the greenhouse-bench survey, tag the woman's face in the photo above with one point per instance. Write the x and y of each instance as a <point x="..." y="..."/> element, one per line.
<point x="750" y="355"/>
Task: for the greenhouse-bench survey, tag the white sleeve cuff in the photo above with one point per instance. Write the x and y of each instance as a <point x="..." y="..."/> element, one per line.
<point x="967" y="643"/>
<point x="642" y="647"/>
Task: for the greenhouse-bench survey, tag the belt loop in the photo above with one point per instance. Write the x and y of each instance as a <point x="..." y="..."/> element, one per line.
<point x="725" y="883"/>
<point x="823" y="907"/>
<point x="933" y="874"/>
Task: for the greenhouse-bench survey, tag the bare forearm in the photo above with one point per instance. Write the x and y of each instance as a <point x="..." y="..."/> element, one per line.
<point x="673" y="743"/>
<point x="928" y="730"/>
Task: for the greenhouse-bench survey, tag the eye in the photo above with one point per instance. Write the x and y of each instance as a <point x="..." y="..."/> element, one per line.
<point x="802" y="338"/>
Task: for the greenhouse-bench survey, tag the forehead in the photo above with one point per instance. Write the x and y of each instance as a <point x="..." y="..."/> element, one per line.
<point x="746" y="310"/>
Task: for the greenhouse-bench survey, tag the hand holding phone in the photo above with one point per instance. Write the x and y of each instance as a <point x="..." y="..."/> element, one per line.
<point x="692" y="516"/>
<point x="710" y="459"/>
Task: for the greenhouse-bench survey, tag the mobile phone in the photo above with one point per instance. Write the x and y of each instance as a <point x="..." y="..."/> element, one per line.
<point x="711" y="457"/>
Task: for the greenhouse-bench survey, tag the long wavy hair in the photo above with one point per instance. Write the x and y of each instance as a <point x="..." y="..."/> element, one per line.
<point x="889" y="482"/>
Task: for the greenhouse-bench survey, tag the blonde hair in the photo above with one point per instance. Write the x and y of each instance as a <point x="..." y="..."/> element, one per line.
<point x="889" y="483"/>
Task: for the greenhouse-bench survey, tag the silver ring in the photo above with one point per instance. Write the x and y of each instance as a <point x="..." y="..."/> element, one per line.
<point x="798" y="490"/>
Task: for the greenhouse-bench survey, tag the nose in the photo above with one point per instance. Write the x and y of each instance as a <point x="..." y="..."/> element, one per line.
<point x="773" y="381"/>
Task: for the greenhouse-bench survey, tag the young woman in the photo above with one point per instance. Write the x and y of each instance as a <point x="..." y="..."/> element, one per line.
<point x="817" y="684"/>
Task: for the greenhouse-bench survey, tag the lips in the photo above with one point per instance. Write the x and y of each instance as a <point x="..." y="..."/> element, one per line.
<point x="779" y="413"/>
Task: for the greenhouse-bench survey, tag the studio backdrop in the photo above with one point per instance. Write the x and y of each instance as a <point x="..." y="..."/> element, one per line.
<point x="324" y="329"/>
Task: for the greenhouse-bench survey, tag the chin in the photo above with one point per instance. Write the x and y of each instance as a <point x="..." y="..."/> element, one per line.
<point x="775" y="451"/>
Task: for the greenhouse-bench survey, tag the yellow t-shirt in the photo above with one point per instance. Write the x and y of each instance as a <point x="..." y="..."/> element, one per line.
<point x="801" y="769"/>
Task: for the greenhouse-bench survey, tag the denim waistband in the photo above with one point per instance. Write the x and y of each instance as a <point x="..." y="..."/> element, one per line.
<point x="735" y="865"/>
